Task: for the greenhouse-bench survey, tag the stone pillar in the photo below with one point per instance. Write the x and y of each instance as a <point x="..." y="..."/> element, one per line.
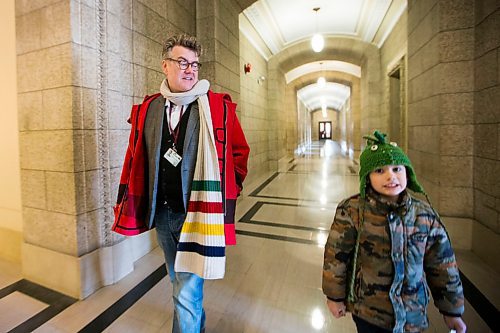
<point x="371" y="116"/>
<point x="80" y="65"/>
<point x="252" y="107"/>
<point x="440" y="106"/>
<point x="486" y="119"/>
<point x="48" y="138"/>
<point x="276" y="116"/>
<point x="440" y="76"/>
<point x="217" y="28"/>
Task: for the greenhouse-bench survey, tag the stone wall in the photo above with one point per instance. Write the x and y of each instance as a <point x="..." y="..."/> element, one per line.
<point x="277" y="117"/>
<point x="81" y="66"/>
<point x="393" y="55"/>
<point x="440" y="106"/>
<point x="304" y="126"/>
<point x="217" y="29"/>
<point x="49" y="135"/>
<point x="486" y="127"/>
<point x="453" y="116"/>
<point x="254" y="107"/>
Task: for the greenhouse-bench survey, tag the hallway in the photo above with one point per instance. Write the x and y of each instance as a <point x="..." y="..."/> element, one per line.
<point x="273" y="275"/>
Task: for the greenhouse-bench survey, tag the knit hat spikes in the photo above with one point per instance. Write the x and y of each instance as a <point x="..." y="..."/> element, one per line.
<point x="379" y="153"/>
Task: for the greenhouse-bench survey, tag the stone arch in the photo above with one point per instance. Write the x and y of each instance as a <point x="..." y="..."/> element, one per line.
<point x="331" y="76"/>
<point x="346" y="49"/>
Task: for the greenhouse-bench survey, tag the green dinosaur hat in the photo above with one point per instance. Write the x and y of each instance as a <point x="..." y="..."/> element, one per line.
<point x="379" y="153"/>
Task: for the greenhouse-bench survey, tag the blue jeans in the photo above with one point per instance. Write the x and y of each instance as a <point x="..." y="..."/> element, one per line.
<point x="189" y="316"/>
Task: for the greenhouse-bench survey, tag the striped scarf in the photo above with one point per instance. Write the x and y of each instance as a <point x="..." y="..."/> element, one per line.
<point x="201" y="248"/>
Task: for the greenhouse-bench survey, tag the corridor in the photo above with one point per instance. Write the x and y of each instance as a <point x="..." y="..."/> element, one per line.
<point x="273" y="275"/>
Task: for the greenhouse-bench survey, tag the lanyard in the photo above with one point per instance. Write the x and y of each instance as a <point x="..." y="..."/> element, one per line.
<point x="174" y="131"/>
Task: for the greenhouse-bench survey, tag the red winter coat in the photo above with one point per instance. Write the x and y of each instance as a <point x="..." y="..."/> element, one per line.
<point x="133" y="203"/>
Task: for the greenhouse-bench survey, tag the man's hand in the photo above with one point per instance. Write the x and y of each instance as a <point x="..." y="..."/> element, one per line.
<point x="455" y="323"/>
<point x="336" y="308"/>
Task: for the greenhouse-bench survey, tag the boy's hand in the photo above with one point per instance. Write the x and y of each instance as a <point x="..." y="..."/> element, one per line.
<point x="455" y="323"/>
<point x="336" y="308"/>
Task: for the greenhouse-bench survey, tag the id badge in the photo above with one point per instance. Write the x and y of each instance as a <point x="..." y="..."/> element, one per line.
<point x="172" y="156"/>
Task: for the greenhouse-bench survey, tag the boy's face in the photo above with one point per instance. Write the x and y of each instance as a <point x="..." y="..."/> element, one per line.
<point x="389" y="181"/>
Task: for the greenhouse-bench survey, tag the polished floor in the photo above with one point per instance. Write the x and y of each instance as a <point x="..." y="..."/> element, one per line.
<point x="273" y="275"/>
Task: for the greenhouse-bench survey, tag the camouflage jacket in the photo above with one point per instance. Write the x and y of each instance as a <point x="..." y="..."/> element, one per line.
<point x="404" y="251"/>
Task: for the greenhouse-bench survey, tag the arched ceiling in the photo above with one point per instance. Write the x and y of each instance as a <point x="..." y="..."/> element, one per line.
<point x="280" y="23"/>
<point x="282" y="29"/>
<point x="332" y="95"/>
<point x="321" y="66"/>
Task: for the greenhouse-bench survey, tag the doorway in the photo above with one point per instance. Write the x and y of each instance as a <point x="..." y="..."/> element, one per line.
<point x="325" y="130"/>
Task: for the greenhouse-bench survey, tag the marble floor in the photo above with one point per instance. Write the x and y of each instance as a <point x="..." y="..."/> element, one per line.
<point x="273" y="275"/>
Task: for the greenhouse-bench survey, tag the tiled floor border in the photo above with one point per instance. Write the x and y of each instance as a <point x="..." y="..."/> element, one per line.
<point x="255" y="193"/>
<point x="351" y="171"/>
<point x="485" y="309"/>
<point x="112" y="313"/>
<point x="247" y="218"/>
<point x="56" y="302"/>
<point x="263" y="185"/>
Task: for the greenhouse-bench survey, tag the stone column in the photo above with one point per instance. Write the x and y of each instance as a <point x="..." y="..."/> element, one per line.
<point x="440" y="106"/>
<point x="76" y="70"/>
<point x="217" y="28"/>
<point x="486" y="119"/>
<point x="48" y="136"/>
<point x="440" y="76"/>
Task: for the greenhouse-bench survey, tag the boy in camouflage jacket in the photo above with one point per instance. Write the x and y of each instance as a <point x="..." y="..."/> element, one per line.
<point x="386" y="249"/>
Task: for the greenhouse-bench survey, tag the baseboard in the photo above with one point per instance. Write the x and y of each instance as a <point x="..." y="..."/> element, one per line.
<point x="485" y="245"/>
<point x="80" y="277"/>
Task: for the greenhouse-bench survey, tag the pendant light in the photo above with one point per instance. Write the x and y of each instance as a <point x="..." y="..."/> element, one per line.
<point x="321" y="80"/>
<point x="317" y="41"/>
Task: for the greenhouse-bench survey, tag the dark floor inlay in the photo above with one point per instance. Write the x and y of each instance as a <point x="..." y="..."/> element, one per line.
<point x="264" y="184"/>
<point x="295" y="199"/>
<point x="57" y="302"/>
<point x="252" y="211"/>
<point x="247" y="218"/>
<point x="276" y="237"/>
<point x="484" y="308"/>
<point x="112" y="313"/>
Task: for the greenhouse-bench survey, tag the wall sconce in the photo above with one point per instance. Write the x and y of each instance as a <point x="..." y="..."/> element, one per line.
<point x="261" y="79"/>
<point x="247" y="68"/>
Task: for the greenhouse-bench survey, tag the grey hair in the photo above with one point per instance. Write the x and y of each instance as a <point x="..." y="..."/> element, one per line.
<point x="184" y="40"/>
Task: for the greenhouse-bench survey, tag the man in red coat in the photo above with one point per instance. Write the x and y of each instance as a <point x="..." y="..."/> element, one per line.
<point x="184" y="168"/>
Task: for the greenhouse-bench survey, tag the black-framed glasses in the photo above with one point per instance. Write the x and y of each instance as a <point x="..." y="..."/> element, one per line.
<point x="184" y="64"/>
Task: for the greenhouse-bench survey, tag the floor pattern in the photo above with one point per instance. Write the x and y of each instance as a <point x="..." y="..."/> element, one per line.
<point x="273" y="275"/>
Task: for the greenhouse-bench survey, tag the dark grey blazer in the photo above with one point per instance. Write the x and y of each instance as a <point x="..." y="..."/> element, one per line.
<point x="152" y="138"/>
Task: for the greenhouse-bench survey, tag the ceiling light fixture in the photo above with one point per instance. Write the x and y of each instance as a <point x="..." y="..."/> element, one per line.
<point x="317" y="41"/>
<point x="321" y="82"/>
